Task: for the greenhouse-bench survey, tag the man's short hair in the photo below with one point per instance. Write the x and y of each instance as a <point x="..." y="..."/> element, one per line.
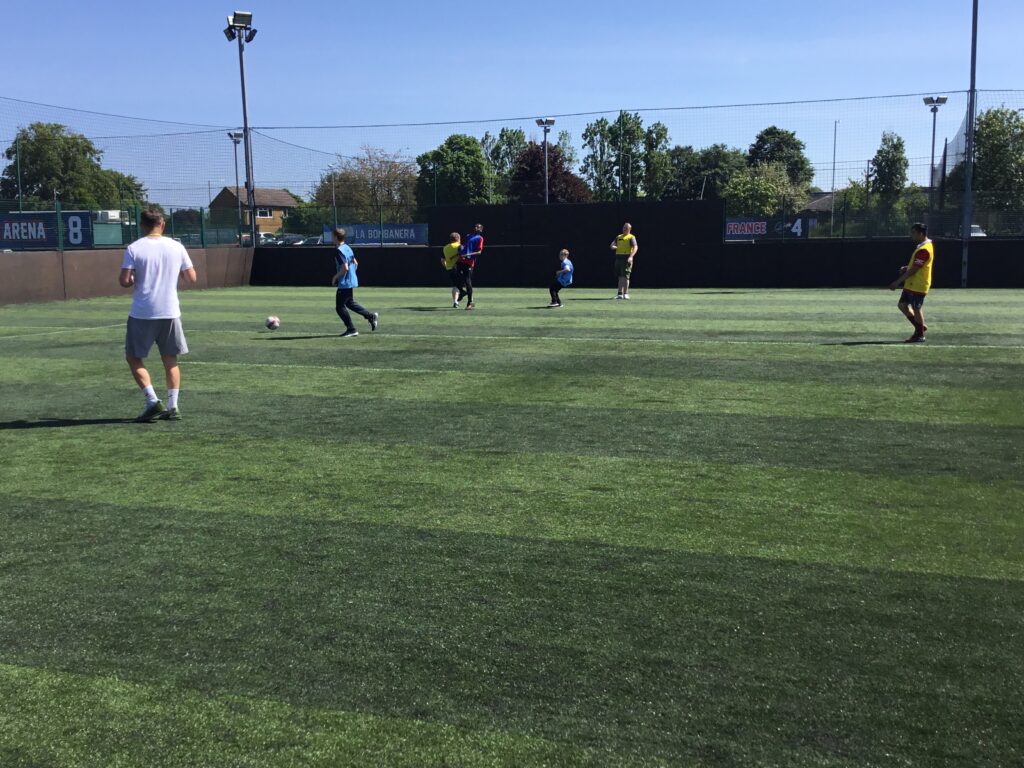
<point x="454" y="236"/>
<point x="921" y="228"/>
<point x="339" y="233"/>
<point x="150" y="219"/>
<point x="480" y="227"/>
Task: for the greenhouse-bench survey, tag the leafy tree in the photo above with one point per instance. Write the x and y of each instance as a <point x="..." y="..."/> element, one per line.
<point x="456" y="173"/>
<point x="775" y="145"/>
<point x="613" y="163"/>
<point x="763" y="190"/>
<point x="693" y="174"/>
<point x="307" y="218"/>
<point x="501" y="152"/>
<point x="888" y="177"/>
<point x="568" y="149"/>
<point x="527" y="178"/>
<point x="58" y="164"/>
<point x="999" y="159"/>
<point x="657" y="161"/>
<point x="364" y="187"/>
<point x="599" y="161"/>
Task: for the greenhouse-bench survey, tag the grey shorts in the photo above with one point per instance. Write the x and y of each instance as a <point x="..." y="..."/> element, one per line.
<point x="141" y="335"/>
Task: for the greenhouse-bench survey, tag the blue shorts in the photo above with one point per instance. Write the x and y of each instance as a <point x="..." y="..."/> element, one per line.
<point x="915" y="300"/>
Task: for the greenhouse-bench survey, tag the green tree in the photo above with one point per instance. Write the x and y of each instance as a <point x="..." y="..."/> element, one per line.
<point x="888" y="177"/>
<point x="367" y="186"/>
<point x="456" y="173"/>
<point x="999" y="159"/>
<point x="308" y="218"/>
<point x="56" y="164"/>
<point x="694" y="174"/>
<point x="775" y="145"/>
<point x="598" y="161"/>
<point x="657" y="161"/>
<point x="568" y="150"/>
<point x="763" y="190"/>
<point x="527" y="178"/>
<point x="501" y="152"/>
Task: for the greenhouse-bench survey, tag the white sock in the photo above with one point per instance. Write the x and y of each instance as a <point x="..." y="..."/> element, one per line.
<point x="172" y="398"/>
<point x="150" y="394"/>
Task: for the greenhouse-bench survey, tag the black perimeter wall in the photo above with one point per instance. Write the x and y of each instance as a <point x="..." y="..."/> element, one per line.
<point x="680" y="247"/>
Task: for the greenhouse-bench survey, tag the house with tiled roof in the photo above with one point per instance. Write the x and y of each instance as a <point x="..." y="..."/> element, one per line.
<point x="272" y="207"/>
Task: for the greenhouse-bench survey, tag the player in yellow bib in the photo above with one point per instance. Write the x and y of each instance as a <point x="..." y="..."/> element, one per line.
<point x="916" y="279"/>
<point x="451" y="255"/>
<point x="625" y="248"/>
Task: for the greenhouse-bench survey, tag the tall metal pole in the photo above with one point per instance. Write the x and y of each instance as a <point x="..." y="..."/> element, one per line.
<point x="931" y="169"/>
<point x="17" y="153"/>
<point x="972" y="99"/>
<point x="546" y="129"/>
<point x="250" y="192"/>
<point x="832" y="218"/>
<point x="334" y="202"/>
<point x="238" y="196"/>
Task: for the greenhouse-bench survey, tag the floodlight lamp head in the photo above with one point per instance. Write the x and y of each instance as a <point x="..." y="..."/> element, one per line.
<point x="241" y="19"/>
<point x="229" y="33"/>
<point x="249" y="35"/>
<point x="545" y="122"/>
<point x="941" y="99"/>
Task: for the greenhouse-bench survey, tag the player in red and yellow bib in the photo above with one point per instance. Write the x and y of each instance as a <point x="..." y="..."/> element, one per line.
<point x="916" y="279"/>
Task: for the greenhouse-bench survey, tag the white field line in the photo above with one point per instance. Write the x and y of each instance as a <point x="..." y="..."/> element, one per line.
<point x="642" y="340"/>
<point x="64" y="329"/>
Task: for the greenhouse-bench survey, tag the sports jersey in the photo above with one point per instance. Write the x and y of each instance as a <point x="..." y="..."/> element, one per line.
<point x="451" y="254"/>
<point x="565" y="278"/>
<point x="624" y="244"/>
<point x="157" y="262"/>
<point x="345" y="256"/>
<point x="474" y="245"/>
<point x="921" y="281"/>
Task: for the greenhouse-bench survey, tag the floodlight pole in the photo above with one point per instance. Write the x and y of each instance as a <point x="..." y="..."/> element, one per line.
<point x="17" y="153"/>
<point x="250" y="192"/>
<point x="972" y="105"/>
<point x="545" y="123"/>
<point x="235" y="139"/>
<point x="933" y="103"/>
<point x="832" y="218"/>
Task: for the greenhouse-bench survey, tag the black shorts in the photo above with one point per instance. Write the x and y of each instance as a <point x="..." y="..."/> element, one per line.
<point x="453" y="275"/>
<point x="915" y="300"/>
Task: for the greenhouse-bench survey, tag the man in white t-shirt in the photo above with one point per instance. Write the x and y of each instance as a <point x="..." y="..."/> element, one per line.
<point x="152" y="266"/>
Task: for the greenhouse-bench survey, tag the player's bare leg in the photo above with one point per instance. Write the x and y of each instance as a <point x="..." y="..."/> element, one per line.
<point x="139" y="372"/>
<point x="171" y="371"/>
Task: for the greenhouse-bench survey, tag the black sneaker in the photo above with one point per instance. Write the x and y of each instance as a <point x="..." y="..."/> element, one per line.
<point x="348" y="334"/>
<point x="151" y="414"/>
<point x="374" y="320"/>
<point x="171" y="414"/>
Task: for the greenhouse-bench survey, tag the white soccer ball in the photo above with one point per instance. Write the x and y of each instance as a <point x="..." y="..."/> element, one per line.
<point x="273" y="322"/>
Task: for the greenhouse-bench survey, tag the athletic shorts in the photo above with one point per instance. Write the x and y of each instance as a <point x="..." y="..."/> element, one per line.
<point x="622" y="267"/>
<point x="167" y="334"/>
<point x="915" y="300"/>
<point x="453" y="275"/>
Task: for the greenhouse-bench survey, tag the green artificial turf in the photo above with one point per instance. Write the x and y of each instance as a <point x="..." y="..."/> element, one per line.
<point x="729" y="528"/>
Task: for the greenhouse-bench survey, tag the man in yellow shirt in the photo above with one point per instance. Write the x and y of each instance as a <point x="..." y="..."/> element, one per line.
<point x="451" y="255"/>
<point x="625" y="248"/>
<point x="916" y="279"/>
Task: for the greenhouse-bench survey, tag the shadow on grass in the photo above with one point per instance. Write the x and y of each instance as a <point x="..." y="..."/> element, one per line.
<point x="44" y="423"/>
<point x="428" y="309"/>
<point x="299" y="338"/>
<point x="859" y="343"/>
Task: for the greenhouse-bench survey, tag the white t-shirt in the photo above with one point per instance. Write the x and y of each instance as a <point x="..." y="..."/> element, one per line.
<point x="157" y="262"/>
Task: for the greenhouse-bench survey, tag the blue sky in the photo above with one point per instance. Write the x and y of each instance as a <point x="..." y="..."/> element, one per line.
<point x="324" y="63"/>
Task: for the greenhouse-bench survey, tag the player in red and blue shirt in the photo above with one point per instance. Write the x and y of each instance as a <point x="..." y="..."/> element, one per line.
<point x="467" y="261"/>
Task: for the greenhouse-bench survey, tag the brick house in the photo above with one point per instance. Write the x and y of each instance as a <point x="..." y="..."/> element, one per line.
<point x="272" y="207"/>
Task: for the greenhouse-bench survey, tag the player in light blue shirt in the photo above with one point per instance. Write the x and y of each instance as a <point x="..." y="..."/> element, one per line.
<point x="563" y="278"/>
<point x="345" y="278"/>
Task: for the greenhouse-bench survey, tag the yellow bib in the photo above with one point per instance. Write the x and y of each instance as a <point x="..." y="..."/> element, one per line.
<point x="924" y="256"/>
<point x="624" y="244"/>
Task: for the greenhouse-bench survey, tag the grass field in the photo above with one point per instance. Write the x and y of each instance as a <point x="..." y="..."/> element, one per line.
<point x="698" y="528"/>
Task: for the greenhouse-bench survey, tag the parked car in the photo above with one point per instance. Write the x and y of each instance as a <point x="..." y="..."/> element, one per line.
<point x="977" y="231"/>
<point x="318" y="240"/>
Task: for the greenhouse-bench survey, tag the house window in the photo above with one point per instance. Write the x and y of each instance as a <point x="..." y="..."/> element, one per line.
<point x="264" y="213"/>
